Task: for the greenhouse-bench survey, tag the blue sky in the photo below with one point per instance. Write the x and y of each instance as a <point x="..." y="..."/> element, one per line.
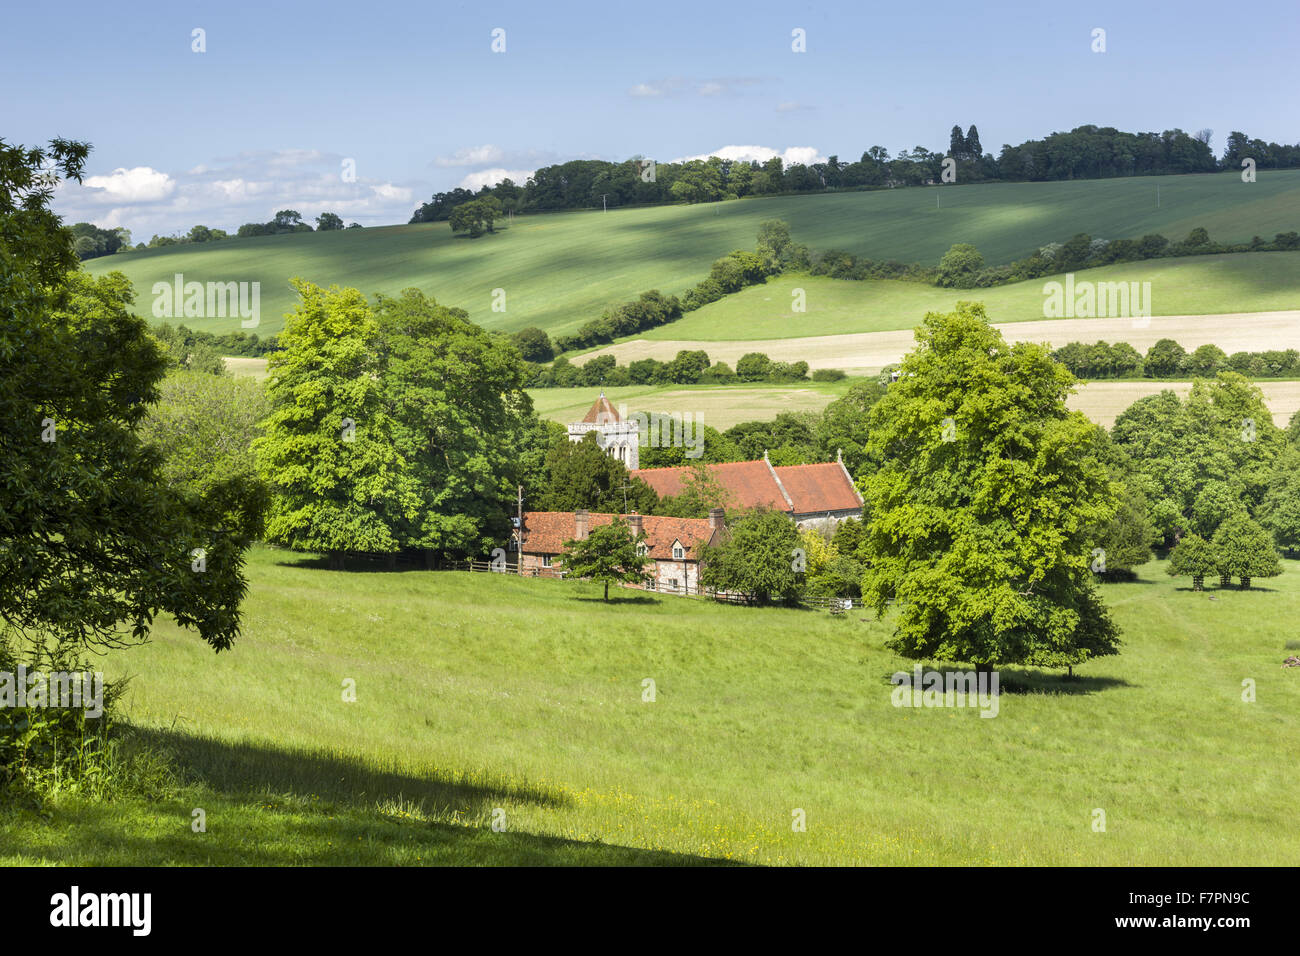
<point x="413" y="93"/>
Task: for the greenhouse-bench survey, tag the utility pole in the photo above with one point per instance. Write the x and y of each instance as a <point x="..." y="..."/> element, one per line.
<point x="519" y="535"/>
<point x="604" y="206"/>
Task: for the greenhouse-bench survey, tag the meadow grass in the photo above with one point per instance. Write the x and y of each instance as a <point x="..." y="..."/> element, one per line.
<point x="561" y="270"/>
<point x="479" y="692"/>
<point x="1196" y="285"/>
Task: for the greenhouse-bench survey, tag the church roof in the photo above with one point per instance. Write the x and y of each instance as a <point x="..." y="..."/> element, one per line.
<point x="601" y="413"/>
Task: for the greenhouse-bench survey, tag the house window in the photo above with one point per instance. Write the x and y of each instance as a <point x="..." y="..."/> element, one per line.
<point x="546" y="560"/>
<point x="672" y="583"/>
<point x="678" y="551"/>
<point x="643" y="549"/>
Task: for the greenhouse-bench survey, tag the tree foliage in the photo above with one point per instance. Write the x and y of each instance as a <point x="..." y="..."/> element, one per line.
<point x="94" y="543"/>
<point x="1244" y="550"/>
<point x="757" y="559"/>
<point x="608" y="553"/>
<point x="982" y="513"/>
<point x="1194" y="557"/>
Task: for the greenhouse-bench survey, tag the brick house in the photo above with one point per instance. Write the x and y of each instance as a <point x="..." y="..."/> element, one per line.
<point x="673" y="543"/>
<point x="821" y="494"/>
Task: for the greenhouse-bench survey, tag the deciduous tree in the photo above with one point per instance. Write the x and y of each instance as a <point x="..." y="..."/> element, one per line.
<point x="982" y="514"/>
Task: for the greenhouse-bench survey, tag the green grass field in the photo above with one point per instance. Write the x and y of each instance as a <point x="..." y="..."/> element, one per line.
<point x="1198" y="285"/>
<point x="562" y="270"/>
<point x="479" y="692"/>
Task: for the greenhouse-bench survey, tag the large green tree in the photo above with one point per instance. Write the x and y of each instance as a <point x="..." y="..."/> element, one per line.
<point x="608" y="553"/>
<point x="757" y="559"/>
<point x="983" y="513"/>
<point x="843" y="425"/>
<point x="328" y="450"/>
<point x="1245" y="550"/>
<point x="204" y="427"/>
<point x="583" y="475"/>
<point x="1202" y="458"/>
<point x="1193" y="556"/>
<point x="455" y="395"/>
<point x="1280" y="510"/>
<point x="94" y="543"/>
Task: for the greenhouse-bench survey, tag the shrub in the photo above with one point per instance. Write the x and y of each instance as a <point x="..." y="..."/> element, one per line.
<point x="959" y="266"/>
<point x="828" y="375"/>
<point x="753" y="367"/>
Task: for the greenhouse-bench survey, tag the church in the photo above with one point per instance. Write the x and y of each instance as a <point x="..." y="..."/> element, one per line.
<point x="619" y="438"/>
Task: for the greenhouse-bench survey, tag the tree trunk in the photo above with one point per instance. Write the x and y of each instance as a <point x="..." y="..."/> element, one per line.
<point x="1198" y="582"/>
<point x="428" y="559"/>
<point x="1245" y="583"/>
<point x="606" y="592"/>
<point x="1225" y="580"/>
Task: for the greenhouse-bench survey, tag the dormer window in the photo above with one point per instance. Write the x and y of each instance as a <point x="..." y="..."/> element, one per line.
<point x="678" y="551"/>
<point x="643" y="549"/>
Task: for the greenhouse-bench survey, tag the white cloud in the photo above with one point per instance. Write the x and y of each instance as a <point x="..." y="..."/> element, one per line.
<point x="471" y="156"/>
<point x="490" y="177"/>
<point x="389" y="191"/>
<point x="138" y="184"/>
<point x="224" y="193"/>
<point x="792" y="154"/>
<point x="681" y="86"/>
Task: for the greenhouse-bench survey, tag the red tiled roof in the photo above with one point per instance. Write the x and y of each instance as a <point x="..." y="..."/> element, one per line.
<point x="546" y="531"/>
<point x="601" y="413"/>
<point x="818" y="488"/>
<point x="798" y="489"/>
<point x="750" y="484"/>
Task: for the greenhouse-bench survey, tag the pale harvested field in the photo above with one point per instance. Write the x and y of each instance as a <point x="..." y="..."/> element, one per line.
<point x="868" y="352"/>
<point x="1103" y="401"/>
<point x="718" y="407"/>
<point x="239" y="365"/>
<point x="724" y="406"/>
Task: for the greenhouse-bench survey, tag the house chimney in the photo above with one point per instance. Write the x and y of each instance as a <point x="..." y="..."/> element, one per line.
<point x="634" y="522"/>
<point x="715" y="518"/>
<point x="581" y="521"/>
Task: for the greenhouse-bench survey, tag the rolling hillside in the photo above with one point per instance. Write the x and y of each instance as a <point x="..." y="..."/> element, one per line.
<point x="561" y="270"/>
<point x="1197" y="285"/>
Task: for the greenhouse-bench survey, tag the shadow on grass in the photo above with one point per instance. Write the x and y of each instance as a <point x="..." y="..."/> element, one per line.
<point x="351" y="564"/>
<point x="269" y="806"/>
<point x="246" y="832"/>
<point x="1023" y="681"/>
<point x="638" y="599"/>
<point x="241" y="767"/>
<point x="1233" y="589"/>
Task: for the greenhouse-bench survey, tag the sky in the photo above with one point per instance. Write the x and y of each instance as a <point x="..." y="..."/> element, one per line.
<point x="366" y="109"/>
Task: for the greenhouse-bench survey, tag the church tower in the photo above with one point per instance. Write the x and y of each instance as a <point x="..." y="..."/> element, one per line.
<point x="620" y="439"/>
